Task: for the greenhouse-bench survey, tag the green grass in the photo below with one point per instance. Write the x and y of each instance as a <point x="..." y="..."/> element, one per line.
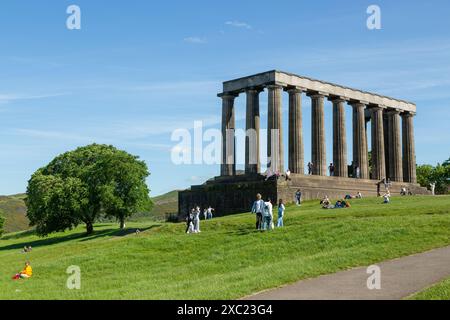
<point x="228" y="259"/>
<point x="440" y="291"/>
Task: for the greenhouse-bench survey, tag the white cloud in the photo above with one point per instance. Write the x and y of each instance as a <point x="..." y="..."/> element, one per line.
<point x="195" y="40"/>
<point x="7" y="98"/>
<point x="238" y="24"/>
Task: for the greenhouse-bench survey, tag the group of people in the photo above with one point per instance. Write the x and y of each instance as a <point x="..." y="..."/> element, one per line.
<point x="193" y="218"/>
<point x="264" y="213"/>
<point x="27" y="249"/>
<point x="340" y="204"/>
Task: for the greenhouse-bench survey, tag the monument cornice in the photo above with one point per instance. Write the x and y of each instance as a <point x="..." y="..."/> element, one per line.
<point x="286" y="79"/>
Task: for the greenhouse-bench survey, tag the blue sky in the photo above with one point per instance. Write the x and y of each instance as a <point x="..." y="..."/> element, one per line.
<point x="137" y="70"/>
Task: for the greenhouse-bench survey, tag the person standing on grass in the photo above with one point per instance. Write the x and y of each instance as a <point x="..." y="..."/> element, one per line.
<point x="210" y="212"/>
<point x="268" y="215"/>
<point x="433" y="188"/>
<point x="205" y="214"/>
<point x="258" y="208"/>
<point x="298" y="197"/>
<point x="197" y="220"/>
<point x="281" y="209"/>
<point x="190" y="221"/>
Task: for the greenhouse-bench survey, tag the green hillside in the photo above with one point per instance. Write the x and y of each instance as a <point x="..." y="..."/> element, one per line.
<point x="228" y="259"/>
<point x="162" y="205"/>
<point x="14" y="210"/>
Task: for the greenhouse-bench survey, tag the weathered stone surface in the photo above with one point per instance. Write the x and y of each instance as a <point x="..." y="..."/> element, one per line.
<point x="318" y="146"/>
<point x="395" y="147"/>
<point x="252" y="161"/>
<point x="296" y="149"/>
<point x="275" y="149"/>
<point x="229" y="195"/>
<point x="378" y="156"/>
<point x="360" y="152"/>
<point x="228" y="167"/>
<point x="339" y="139"/>
<point x="409" y="154"/>
<point x="286" y="79"/>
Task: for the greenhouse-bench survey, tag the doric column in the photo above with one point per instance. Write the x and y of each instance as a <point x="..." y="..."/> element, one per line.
<point x="395" y="146"/>
<point x="409" y="155"/>
<point x="386" y="142"/>
<point x="296" y="151"/>
<point x="228" y="167"/>
<point x="378" y="156"/>
<point x="252" y="161"/>
<point x="318" y="147"/>
<point x="339" y="138"/>
<point x="275" y="147"/>
<point x="360" y="153"/>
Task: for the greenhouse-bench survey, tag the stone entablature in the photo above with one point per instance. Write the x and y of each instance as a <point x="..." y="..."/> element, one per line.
<point x="287" y="80"/>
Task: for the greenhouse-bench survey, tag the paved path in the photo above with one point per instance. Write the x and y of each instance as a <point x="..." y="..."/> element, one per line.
<point x="399" y="278"/>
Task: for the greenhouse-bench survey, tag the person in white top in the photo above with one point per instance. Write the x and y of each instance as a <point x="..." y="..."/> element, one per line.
<point x="197" y="220"/>
<point x="268" y="215"/>
<point x="433" y="188"/>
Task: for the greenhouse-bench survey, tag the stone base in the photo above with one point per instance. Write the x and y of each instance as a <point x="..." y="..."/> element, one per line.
<point x="230" y="195"/>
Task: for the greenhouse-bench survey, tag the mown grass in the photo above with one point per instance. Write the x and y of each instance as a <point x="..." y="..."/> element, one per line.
<point x="440" y="291"/>
<point x="228" y="259"/>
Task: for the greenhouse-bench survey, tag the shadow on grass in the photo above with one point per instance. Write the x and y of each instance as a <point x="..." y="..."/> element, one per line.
<point x="82" y="236"/>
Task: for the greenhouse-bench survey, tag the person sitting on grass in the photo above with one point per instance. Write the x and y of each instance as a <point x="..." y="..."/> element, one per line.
<point x="387" y="197"/>
<point x="325" y="202"/>
<point x="26" y="273"/>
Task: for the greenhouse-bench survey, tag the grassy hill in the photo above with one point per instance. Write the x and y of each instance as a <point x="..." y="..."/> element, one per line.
<point x="14" y="210"/>
<point x="163" y="205"/>
<point x="229" y="259"/>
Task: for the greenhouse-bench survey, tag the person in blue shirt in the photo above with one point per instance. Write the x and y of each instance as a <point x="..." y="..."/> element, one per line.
<point x="281" y="209"/>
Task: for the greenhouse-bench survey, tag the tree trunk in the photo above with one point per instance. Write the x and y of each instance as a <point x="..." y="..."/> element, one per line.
<point x="89" y="227"/>
<point x="122" y="223"/>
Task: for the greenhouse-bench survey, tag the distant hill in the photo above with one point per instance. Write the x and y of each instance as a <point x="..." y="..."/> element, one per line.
<point x="162" y="205"/>
<point x="14" y="210"/>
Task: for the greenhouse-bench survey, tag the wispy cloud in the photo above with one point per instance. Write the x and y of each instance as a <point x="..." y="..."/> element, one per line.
<point x="7" y="98"/>
<point x="195" y="40"/>
<point x="238" y="24"/>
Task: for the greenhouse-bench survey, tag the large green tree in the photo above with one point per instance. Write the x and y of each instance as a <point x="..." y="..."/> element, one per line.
<point x="439" y="174"/>
<point x="83" y="185"/>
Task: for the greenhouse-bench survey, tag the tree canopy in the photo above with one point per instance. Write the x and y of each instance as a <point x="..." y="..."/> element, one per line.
<point x="83" y="185"/>
<point x="439" y="174"/>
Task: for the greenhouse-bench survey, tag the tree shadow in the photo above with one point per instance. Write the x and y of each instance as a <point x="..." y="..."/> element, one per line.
<point x="81" y="236"/>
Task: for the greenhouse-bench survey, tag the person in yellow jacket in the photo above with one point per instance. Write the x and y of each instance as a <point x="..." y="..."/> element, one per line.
<point x="27" y="272"/>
